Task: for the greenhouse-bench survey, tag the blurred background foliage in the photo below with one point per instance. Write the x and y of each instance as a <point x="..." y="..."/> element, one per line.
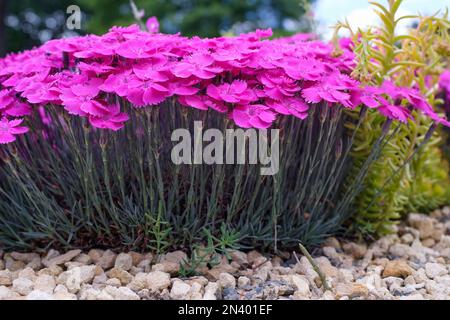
<point x="27" y="23"/>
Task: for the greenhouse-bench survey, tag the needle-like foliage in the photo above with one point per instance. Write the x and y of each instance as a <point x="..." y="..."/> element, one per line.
<point x="411" y="174"/>
<point x="74" y="186"/>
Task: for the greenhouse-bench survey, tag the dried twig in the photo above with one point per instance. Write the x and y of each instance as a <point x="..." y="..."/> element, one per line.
<point x="316" y="268"/>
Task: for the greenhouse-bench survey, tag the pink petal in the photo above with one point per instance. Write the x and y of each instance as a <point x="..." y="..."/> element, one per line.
<point x="6" y="137"/>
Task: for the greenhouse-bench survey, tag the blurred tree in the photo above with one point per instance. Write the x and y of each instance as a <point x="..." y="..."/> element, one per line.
<point x="27" y="23"/>
<point x="207" y="18"/>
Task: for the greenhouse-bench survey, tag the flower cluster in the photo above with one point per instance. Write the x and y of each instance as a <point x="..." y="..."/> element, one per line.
<point x="249" y="78"/>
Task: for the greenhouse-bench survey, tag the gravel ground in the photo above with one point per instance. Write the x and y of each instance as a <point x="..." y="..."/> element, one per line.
<point x="412" y="264"/>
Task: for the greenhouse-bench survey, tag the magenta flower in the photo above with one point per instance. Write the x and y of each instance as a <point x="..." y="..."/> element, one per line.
<point x="113" y="119"/>
<point x="290" y="106"/>
<point x="235" y="92"/>
<point x="327" y="91"/>
<point x="153" y="68"/>
<point x="253" y="80"/>
<point x="133" y="49"/>
<point x="444" y="81"/>
<point x="152" y="25"/>
<point x="253" y="116"/>
<point x="197" y="64"/>
<point x="193" y="101"/>
<point x="444" y="84"/>
<point x="9" y="129"/>
<point x="395" y="112"/>
<point x="79" y="99"/>
<point x="277" y="86"/>
<point x="6" y="98"/>
<point x="43" y="92"/>
<point x="18" y="109"/>
<point x="183" y="87"/>
<point x="303" y="69"/>
<point x="148" y="92"/>
<point x="119" y="83"/>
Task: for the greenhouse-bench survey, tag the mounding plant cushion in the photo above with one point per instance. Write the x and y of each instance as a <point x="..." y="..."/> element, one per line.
<point x="86" y="125"/>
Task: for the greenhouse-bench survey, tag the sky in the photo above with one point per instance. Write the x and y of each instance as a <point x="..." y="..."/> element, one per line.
<point x="359" y="12"/>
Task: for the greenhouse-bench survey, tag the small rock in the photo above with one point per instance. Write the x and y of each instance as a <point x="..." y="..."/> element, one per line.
<point x="332" y="242"/>
<point x="6" y="278"/>
<point x="195" y="293"/>
<point x="438" y="232"/>
<point x="24" y="257"/>
<point x="407" y="238"/>
<point x="145" y="265"/>
<point x="328" y="295"/>
<point x="13" y="265"/>
<point x="107" y="260"/>
<point x="178" y="257"/>
<point x="124" y="277"/>
<point x="52" y="253"/>
<point x="179" y="290"/>
<point x="122" y="293"/>
<point x="39" y="295"/>
<point x="45" y="283"/>
<point x="158" y="281"/>
<point x="420" y="276"/>
<point x="7" y="294"/>
<point x="61" y="259"/>
<point x="95" y="255"/>
<point x="114" y="282"/>
<point x="416" y="296"/>
<point x="332" y="254"/>
<point x="226" y="280"/>
<point x="422" y="223"/>
<point x="356" y="250"/>
<point x="74" y="278"/>
<point x="53" y="271"/>
<point x="434" y="270"/>
<point x="239" y="257"/>
<point x="35" y="264"/>
<point x="397" y="268"/>
<point x="428" y="242"/>
<point x="139" y="282"/>
<point x="351" y="290"/>
<point x="22" y="286"/>
<point x="400" y="250"/>
<point x="91" y="294"/>
<point x="391" y="282"/>
<point x="301" y="284"/>
<point x="243" y="282"/>
<point x="124" y="261"/>
<point x="232" y="294"/>
<point x="136" y="257"/>
<point x="262" y="274"/>
<point x="166" y="266"/>
<point x="212" y="291"/>
<point x="253" y="255"/>
<point x="61" y="293"/>
<point x="72" y="264"/>
<point x="409" y="280"/>
<point x="326" y="267"/>
<point x="83" y="259"/>
<point x="135" y="270"/>
<point x="214" y="273"/>
<point x="100" y="280"/>
<point x="373" y="282"/>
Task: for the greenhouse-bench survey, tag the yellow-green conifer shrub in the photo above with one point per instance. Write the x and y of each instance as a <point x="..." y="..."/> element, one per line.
<point x="411" y="174"/>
